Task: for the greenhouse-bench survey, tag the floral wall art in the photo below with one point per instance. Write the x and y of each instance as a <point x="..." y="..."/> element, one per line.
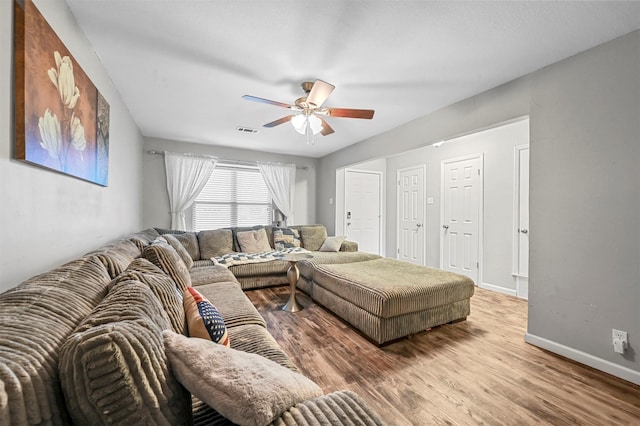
<point x="62" y="121"/>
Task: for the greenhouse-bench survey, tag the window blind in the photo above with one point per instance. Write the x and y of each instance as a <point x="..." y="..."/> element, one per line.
<point x="233" y="196"/>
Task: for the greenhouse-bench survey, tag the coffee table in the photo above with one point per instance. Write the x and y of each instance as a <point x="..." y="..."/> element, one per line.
<point x="293" y="274"/>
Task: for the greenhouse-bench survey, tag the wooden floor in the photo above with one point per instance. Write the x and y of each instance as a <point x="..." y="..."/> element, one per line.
<point x="479" y="371"/>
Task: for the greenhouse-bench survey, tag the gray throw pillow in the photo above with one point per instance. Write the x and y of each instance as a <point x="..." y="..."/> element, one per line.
<point x="246" y="388"/>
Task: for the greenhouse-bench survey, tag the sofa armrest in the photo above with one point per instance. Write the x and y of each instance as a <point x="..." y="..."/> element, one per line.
<point x="349" y="246"/>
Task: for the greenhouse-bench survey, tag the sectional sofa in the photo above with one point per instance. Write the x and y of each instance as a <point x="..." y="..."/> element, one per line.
<point x="103" y="339"/>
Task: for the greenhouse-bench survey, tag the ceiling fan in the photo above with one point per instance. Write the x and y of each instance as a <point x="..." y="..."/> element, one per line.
<point x="310" y="118"/>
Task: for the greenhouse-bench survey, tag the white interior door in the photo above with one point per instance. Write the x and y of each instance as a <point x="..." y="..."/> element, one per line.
<point x="363" y="209"/>
<point x="411" y="215"/>
<point x="521" y="219"/>
<point x="461" y="216"/>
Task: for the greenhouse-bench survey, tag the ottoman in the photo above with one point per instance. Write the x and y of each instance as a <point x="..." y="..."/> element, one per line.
<point x="387" y="299"/>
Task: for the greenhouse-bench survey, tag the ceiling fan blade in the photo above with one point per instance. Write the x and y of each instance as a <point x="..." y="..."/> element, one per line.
<point x="351" y="113"/>
<point x="319" y="93"/>
<point x="326" y="129"/>
<point x="279" y="121"/>
<point x="267" y="101"/>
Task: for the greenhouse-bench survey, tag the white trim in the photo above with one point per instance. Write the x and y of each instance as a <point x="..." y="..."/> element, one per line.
<point x="479" y="156"/>
<point x="424" y="210"/>
<point x="584" y="358"/>
<point x="381" y="218"/>
<point x="498" y="289"/>
<point x="516" y="209"/>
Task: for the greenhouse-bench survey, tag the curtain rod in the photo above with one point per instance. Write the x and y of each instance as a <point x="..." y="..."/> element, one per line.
<point x="239" y="162"/>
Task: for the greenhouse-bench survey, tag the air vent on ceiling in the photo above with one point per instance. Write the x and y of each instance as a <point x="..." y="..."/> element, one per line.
<point x="246" y="129"/>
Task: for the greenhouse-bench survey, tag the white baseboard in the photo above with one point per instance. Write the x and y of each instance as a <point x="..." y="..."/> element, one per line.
<point x="498" y="289"/>
<point x="584" y="358"/>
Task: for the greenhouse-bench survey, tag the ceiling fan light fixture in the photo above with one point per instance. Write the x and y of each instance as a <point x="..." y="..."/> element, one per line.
<point x="300" y="122"/>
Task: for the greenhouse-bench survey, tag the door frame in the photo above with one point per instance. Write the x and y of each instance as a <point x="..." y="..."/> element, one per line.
<point x="479" y="156"/>
<point x="521" y="280"/>
<point x="424" y="210"/>
<point x="381" y="217"/>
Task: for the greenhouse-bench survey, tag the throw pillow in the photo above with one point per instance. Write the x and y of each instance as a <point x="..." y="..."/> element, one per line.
<point x="180" y="249"/>
<point x="166" y="258"/>
<point x="215" y="242"/>
<point x="254" y="241"/>
<point x="246" y="388"/>
<point x="203" y="319"/>
<point x="285" y="238"/>
<point x="332" y="243"/>
<point x="313" y="236"/>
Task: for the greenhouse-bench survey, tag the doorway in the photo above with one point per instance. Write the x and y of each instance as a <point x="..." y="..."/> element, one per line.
<point x="411" y="230"/>
<point x="363" y="209"/>
<point x="461" y="216"/>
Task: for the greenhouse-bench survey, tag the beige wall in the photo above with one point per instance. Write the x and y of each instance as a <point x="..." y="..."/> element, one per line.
<point x="48" y="218"/>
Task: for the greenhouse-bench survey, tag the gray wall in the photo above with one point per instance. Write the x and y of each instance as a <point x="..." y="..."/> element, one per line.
<point x="48" y="218"/>
<point x="584" y="194"/>
<point x="497" y="145"/>
<point x="156" y="199"/>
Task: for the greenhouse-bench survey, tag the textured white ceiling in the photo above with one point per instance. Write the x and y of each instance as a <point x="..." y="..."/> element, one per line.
<point x="183" y="65"/>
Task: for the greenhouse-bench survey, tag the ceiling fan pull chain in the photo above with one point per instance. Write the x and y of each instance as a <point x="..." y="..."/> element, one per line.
<point x="309" y="132"/>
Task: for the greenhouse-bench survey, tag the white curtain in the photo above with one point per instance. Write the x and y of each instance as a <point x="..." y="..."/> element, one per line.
<point x="281" y="180"/>
<point x="186" y="176"/>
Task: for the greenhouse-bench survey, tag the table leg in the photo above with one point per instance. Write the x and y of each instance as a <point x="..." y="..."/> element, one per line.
<point x="293" y="274"/>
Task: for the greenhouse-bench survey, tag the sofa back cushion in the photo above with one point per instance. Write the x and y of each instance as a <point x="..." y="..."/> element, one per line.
<point x="113" y="368"/>
<point x="216" y="242"/>
<point x="313" y="236"/>
<point x="166" y="258"/>
<point x="162" y="286"/>
<point x="117" y="256"/>
<point x="180" y="249"/>
<point x="143" y="238"/>
<point x="37" y="317"/>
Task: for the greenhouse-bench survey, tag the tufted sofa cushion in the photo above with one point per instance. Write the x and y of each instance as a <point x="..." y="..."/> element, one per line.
<point x="113" y="367"/>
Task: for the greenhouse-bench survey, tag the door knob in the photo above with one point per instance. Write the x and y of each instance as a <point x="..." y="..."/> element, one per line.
<point x="524" y="230"/>
<point x="418" y="225"/>
<point x="445" y="227"/>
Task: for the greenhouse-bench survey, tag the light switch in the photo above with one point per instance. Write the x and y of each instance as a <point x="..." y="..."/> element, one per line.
<point x="330" y="200"/>
<point x="429" y="200"/>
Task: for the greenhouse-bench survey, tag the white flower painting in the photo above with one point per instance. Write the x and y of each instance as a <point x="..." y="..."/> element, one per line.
<point x="62" y="120"/>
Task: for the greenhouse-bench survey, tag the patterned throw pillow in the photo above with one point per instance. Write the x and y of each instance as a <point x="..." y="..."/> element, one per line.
<point x="285" y="238"/>
<point x="203" y="319"/>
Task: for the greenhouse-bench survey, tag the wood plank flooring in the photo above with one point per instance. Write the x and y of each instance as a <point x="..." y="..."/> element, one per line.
<point x="476" y="372"/>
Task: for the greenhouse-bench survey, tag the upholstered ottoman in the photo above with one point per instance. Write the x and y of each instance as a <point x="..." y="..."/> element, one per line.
<point x="387" y="299"/>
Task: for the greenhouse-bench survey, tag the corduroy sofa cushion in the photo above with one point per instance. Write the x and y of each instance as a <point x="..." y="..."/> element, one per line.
<point x="113" y="368"/>
<point x="216" y="242"/>
<point x="180" y="249"/>
<point x="117" y="256"/>
<point x="313" y="236"/>
<point x="30" y="391"/>
<point x="190" y="241"/>
<point x="161" y="285"/>
<point x="143" y="238"/>
<point x="166" y="258"/>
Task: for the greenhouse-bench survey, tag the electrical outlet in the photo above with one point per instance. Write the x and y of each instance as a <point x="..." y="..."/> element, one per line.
<point x="619" y="340"/>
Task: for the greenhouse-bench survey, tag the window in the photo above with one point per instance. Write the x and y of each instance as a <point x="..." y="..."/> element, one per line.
<point x="233" y="196"/>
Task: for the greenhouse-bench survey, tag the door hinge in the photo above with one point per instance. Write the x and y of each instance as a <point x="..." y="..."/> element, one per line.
<point x="478" y="172"/>
<point x="477" y="265"/>
<point x="398" y="251"/>
<point x="398" y="183"/>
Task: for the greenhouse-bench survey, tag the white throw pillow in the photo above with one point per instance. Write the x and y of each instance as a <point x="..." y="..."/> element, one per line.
<point x="332" y="243"/>
<point x="246" y="388"/>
